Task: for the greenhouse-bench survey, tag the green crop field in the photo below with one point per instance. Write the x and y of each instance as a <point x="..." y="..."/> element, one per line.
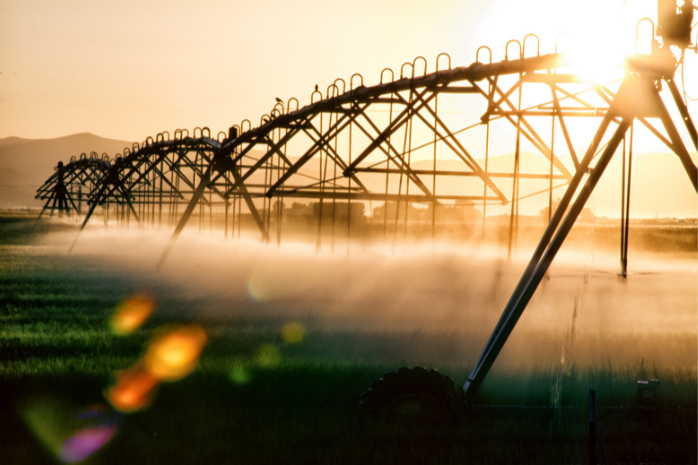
<point x="256" y="398"/>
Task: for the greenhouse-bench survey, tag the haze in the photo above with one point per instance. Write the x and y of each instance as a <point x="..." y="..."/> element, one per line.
<point x="448" y="298"/>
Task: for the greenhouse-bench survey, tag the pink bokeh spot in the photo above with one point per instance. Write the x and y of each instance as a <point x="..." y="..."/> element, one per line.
<point x="85" y="443"/>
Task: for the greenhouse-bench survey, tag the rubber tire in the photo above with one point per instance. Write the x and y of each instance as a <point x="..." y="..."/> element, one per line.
<point x="414" y="396"/>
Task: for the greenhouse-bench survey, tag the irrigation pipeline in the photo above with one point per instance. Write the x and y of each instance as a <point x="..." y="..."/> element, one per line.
<point x="169" y="178"/>
<point x="160" y="174"/>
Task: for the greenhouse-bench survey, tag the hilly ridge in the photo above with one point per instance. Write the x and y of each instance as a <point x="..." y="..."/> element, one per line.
<point x="26" y="163"/>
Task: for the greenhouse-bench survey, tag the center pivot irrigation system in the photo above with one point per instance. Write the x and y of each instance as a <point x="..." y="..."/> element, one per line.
<point x="359" y="144"/>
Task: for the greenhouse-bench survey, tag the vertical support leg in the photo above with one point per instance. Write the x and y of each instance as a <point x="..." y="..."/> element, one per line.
<point x="250" y="206"/>
<point x="514" y="219"/>
<point x="679" y="147"/>
<point x="349" y="202"/>
<point x="407" y="182"/>
<point x="552" y="157"/>
<point x="79" y="199"/>
<point x="227" y="204"/>
<point x="622" y="209"/>
<point x="232" y="221"/>
<point x="484" y="190"/>
<point x="385" y="204"/>
<point x="334" y="200"/>
<point x="433" y="181"/>
<point x="203" y="183"/>
<point x="323" y="177"/>
<point x="239" y="216"/>
<point x="685" y="115"/>
<point x="279" y="220"/>
<point x="546" y="251"/>
<point x="626" y="226"/>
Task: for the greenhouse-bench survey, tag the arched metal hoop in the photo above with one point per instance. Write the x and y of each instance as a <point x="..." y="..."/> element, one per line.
<point x="477" y="54"/>
<point x="438" y="57"/>
<point x="288" y="104"/>
<point x="332" y="91"/>
<point x="414" y="65"/>
<point x="344" y="84"/>
<point x="237" y="130"/>
<point x="351" y="81"/>
<point x="523" y="53"/>
<point x="402" y="70"/>
<point x="392" y="74"/>
<point x="637" y="31"/>
<point x="506" y="50"/>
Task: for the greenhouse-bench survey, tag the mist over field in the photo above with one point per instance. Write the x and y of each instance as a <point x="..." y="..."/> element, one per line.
<point x="389" y="303"/>
<point x="422" y="304"/>
<point x="356" y="206"/>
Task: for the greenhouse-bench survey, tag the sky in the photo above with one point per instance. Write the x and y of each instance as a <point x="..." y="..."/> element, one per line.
<point x="129" y="69"/>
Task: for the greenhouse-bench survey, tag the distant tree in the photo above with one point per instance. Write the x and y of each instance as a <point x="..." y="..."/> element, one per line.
<point x="275" y="207"/>
<point x="298" y="209"/>
<point x="586" y="216"/>
<point x="392" y="208"/>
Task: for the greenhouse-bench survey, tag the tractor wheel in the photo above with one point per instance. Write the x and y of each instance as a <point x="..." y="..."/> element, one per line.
<point x="414" y="396"/>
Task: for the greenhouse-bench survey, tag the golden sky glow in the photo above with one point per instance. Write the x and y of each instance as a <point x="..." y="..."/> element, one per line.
<point x="127" y="69"/>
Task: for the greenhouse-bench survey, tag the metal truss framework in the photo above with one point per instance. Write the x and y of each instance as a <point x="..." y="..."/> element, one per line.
<point x="157" y="176"/>
<point x="360" y="145"/>
<point x="64" y="192"/>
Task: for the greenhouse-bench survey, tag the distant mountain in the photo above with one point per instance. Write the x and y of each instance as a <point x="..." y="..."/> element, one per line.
<point x="26" y="163"/>
<point x="12" y="178"/>
<point x="13" y="141"/>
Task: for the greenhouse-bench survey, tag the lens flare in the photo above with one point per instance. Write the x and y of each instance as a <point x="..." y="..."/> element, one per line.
<point x="132" y="313"/>
<point x="85" y="443"/>
<point x="267" y="356"/>
<point x="240" y="374"/>
<point x="71" y="437"/>
<point x="175" y="354"/>
<point x="293" y="333"/>
<point x="598" y="59"/>
<point x="133" y="391"/>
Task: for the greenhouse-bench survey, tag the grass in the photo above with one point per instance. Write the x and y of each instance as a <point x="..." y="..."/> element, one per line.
<point x="57" y="355"/>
